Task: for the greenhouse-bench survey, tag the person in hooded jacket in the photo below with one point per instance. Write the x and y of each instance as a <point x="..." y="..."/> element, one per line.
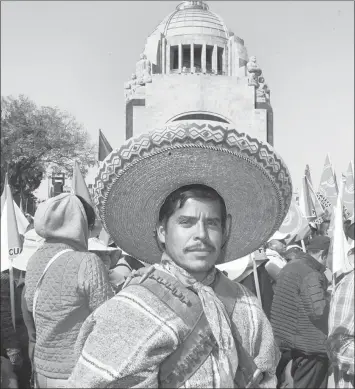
<point x="74" y="284"/>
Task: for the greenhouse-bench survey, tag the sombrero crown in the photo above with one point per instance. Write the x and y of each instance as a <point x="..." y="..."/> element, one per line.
<point x="134" y="181"/>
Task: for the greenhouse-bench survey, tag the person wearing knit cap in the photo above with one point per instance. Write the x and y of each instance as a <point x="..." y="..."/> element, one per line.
<point x="292" y="251"/>
<point x="275" y="251"/>
<point x="299" y="316"/>
<point x="183" y="199"/>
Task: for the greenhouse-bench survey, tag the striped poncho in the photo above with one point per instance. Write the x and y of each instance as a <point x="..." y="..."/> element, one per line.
<point x="125" y="341"/>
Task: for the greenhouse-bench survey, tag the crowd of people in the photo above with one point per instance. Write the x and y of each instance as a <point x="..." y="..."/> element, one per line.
<point x="152" y="308"/>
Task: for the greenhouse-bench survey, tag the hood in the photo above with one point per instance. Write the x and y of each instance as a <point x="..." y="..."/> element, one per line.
<point x="62" y="219"/>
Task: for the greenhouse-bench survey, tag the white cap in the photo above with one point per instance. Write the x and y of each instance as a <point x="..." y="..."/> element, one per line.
<point x="280" y="236"/>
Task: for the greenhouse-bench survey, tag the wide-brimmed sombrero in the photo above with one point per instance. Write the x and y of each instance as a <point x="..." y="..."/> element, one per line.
<point x="134" y="180"/>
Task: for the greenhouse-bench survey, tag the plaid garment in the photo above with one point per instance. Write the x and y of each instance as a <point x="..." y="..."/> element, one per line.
<point x="340" y="342"/>
<point x="123" y="343"/>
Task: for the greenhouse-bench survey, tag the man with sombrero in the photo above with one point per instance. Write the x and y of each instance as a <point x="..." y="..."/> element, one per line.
<point x="185" y="198"/>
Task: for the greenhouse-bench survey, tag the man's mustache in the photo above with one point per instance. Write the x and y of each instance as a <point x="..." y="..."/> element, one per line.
<point x="200" y="247"/>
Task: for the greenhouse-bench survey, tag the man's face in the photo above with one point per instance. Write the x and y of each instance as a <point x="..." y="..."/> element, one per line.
<point x="94" y="232"/>
<point x="193" y="235"/>
<point x="278" y="245"/>
<point x="324" y="228"/>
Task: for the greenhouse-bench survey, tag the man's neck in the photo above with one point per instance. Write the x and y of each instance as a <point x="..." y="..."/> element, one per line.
<point x="199" y="276"/>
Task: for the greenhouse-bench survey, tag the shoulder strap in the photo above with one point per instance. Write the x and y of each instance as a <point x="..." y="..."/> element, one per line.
<point x="198" y="345"/>
<point x="199" y="342"/>
<point x="248" y="374"/>
<point x="190" y="355"/>
<point x="39" y="283"/>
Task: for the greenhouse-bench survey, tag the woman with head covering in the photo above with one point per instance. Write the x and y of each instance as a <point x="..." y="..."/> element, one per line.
<point x="64" y="284"/>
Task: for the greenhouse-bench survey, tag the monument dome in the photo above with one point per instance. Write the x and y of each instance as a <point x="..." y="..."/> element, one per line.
<point x="194" y="69"/>
<point x="193" y="18"/>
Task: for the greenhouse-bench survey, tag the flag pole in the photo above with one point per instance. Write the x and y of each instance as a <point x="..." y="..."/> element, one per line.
<point x="303" y="245"/>
<point x="98" y="150"/>
<point x="12" y="294"/>
<point x="256" y="278"/>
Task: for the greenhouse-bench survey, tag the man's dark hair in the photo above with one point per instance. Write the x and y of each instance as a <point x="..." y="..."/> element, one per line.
<point x="178" y="198"/>
<point x="90" y="213"/>
<point x="323" y="228"/>
<point x="292" y="253"/>
<point x="316" y="251"/>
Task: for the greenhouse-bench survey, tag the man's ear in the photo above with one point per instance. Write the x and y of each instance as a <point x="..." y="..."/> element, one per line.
<point x="161" y="232"/>
<point x="227" y="230"/>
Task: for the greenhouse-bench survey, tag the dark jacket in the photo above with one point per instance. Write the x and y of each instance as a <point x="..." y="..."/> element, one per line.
<point x="299" y="313"/>
<point x="265" y="284"/>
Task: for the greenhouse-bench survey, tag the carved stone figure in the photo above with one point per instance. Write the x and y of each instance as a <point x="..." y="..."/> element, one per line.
<point x="144" y="70"/>
<point x="266" y="90"/>
<point x="254" y="72"/>
<point x="263" y="91"/>
<point x="132" y="82"/>
<point x="131" y="86"/>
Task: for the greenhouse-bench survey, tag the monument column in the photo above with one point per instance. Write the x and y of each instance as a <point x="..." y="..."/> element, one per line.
<point x="163" y="54"/>
<point x="224" y="60"/>
<point x="229" y="67"/>
<point x="180" y="57"/>
<point x="203" y="58"/>
<point x="192" y="58"/>
<point x="214" y="59"/>
<point x="167" y="60"/>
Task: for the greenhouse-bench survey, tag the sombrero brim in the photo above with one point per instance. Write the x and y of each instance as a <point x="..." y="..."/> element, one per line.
<point x="134" y="181"/>
<point x="95" y="244"/>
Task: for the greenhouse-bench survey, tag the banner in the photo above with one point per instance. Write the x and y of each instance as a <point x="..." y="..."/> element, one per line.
<point x="348" y="194"/>
<point x="11" y="243"/>
<point x="104" y="150"/>
<point x="104" y="147"/>
<point x="328" y="186"/>
<point x="337" y="258"/>
<point x="79" y="185"/>
<point x="309" y="204"/>
<point x="295" y="223"/>
<point x="307" y="173"/>
<point x="22" y="222"/>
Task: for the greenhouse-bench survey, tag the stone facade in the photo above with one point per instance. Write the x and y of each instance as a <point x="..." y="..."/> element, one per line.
<point x="194" y="68"/>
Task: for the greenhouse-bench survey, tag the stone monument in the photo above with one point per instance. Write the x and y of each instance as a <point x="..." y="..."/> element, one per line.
<point x="202" y="73"/>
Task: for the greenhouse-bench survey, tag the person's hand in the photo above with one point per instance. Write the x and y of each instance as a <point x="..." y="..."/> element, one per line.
<point x="8" y="377"/>
<point x="15" y="357"/>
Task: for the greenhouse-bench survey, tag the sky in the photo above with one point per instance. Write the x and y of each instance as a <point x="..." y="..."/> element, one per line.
<point x="77" y="55"/>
